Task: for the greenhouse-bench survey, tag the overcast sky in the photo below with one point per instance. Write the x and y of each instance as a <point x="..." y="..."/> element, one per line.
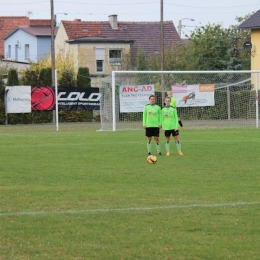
<point x="202" y="11"/>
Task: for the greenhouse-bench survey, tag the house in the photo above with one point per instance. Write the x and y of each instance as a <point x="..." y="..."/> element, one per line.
<point x="29" y="43"/>
<point x="7" y="24"/>
<point x="253" y="24"/>
<point x="101" y="46"/>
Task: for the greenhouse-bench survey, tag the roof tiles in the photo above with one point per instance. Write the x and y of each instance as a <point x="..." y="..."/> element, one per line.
<point x="146" y="35"/>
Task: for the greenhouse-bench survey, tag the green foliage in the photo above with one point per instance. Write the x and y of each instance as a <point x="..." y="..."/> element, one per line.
<point x="30" y="76"/>
<point x="40" y="117"/>
<point x="209" y="47"/>
<point x="127" y="61"/>
<point x="35" y="117"/>
<point x="12" y="78"/>
<point x="66" y="78"/>
<point x="141" y="60"/>
<point x="213" y="47"/>
<point x="45" y="77"/>
<point x="83" y="77"/>
<point x="241" y="19"/>
<point x="169" y="59"/>
<point x="64" y="66"/>
<point x="75" y="116"/>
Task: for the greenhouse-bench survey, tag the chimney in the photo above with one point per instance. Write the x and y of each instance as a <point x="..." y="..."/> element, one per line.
<point x="113" y="21"/>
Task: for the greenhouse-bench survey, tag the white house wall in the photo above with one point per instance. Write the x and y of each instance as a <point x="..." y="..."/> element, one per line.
<point x="21" y="38"/>
<point x="60" y="40"/>
<point x="64" y="49"/>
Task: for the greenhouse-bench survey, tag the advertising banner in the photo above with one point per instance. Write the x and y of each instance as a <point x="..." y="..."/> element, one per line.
<point x="43" y="98"/>
<point x="134" y="98"/>
<point x="18" y="99"/>
<point x="79" y="98"/>
<point x="194" y="95"/>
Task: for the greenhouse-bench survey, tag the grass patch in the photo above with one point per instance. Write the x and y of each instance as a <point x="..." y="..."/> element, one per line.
<point x="82" y="194"/>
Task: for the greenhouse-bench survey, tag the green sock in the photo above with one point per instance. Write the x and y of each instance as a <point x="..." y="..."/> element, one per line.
<point x="178" y="144"/>
<point x="167" y="146"/>
<point x="149" y="147"/>
<point x="158" y="147"/>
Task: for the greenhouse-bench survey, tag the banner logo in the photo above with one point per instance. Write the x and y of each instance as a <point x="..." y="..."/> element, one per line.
<point x="43" y="98"/>
<point x="74" y="96"/>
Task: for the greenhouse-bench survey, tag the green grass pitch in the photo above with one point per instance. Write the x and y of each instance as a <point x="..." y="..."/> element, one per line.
<point x="82" y="194"/>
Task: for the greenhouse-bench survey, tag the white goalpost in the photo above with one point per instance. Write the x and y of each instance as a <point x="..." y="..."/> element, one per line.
<point x="205" y="99"/>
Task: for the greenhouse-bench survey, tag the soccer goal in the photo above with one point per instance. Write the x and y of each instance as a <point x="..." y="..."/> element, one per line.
<point x="205" y="99"/>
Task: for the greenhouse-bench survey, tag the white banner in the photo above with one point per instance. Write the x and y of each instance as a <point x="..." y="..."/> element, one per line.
<point x="134" y="98"/>
<point x="194" y="95"/>
<point x="18" y="99"/>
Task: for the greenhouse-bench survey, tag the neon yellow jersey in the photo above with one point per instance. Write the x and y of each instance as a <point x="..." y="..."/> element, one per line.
<point x="152" y="115"/>
<point x="169" y="118"/>
<point x="173" y="102"/>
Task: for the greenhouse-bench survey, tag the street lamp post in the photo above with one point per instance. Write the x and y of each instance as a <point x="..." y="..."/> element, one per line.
<point x="59" y="13"/>
<point x="180" y="24"/>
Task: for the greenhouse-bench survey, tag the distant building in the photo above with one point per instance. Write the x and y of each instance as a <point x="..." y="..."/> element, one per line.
<point x="102" y="45"/>
<point x="253" y="24"/>
<point x="28" y="43"/>
<point x="7" y="24"/>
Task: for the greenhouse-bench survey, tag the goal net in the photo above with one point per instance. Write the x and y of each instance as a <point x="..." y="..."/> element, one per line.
<point x="205" y="99"/>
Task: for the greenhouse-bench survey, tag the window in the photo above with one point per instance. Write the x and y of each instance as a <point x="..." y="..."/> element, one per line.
<point x="99" y="65"/>
<point x="115" y="56"/>
<point x="27" y="51"/>
<point x="9" y="55"/>
<point x="16" y="52"/>
<point x="100" y="57"/>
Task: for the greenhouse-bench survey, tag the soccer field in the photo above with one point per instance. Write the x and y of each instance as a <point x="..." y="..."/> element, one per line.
<point x="83" y="194"/>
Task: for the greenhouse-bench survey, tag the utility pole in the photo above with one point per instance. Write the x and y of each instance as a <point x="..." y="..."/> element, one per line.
<point x="162" y="53"/>
<point x="52" y="50"/>
<point x="52" y="44"/>
<point x="161" y="38"/>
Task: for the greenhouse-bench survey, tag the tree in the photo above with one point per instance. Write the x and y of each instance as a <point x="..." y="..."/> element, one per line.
<point x="12" y="79"/>
<point x="169" y="59"/>
<point x="45" y="77"/>
<point x="83" y="77"/>
<point x="211" y="47"/>
<point x="66" y="79"/>
<point x="37" y="72"/>
<point x="30" y="75"/>
<point x="141" y="60"/>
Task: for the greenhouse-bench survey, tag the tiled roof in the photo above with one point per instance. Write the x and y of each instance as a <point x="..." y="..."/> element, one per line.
<point x="8" y="23"/>
<point x="40" y="22"/>
<point x="253" y="22"/>
<point x="37" y="31"/>
<point x="146" y="35"/>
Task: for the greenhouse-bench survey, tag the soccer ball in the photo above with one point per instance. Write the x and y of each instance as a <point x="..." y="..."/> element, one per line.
<point x="151" y="159"/>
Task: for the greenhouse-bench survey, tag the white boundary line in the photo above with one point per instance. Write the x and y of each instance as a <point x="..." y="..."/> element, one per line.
<point x="128" y="209"/>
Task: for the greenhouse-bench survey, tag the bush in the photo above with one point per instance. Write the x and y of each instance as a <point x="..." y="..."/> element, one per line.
<point x="83" y="77"/>
<point x="12" y="78"/>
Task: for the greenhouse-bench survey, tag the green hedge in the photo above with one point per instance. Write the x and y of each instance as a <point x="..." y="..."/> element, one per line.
<point x="39" y="117"/>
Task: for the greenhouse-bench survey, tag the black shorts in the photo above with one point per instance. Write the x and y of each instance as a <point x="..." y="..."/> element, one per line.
<point x="152" y="131"/>
<point x="168" y="133"/>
